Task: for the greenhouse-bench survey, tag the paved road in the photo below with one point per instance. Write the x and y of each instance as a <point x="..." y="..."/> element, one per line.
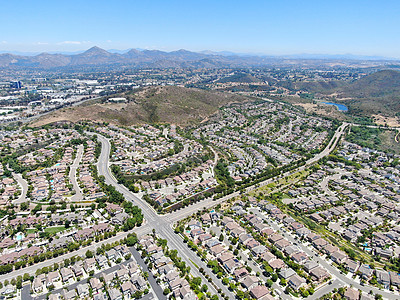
<point x="328" y="149"/>
<point x="26" y="292"/>
<point x="78" y="196"/>
<point x="154" y="285"/>
<point x="24" y="187"/>
<point x="336" y="284"/>
<point x="160" y="224"/>
<point x="331" y="145"/>
<point x="215" y="156"/>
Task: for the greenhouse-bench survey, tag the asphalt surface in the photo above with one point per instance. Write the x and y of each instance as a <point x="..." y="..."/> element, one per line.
<point x="72" y="175"/>
<point x="159" y="223"/>
<point x="26" y="292"/>
<point x="24" y="186"/>
<point x="156" y="288"/>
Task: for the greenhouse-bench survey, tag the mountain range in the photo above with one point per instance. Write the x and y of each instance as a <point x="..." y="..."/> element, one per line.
<point x="96" y="57"/>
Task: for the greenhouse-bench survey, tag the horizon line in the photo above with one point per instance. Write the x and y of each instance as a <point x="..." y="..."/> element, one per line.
<point x="215" y="52"/>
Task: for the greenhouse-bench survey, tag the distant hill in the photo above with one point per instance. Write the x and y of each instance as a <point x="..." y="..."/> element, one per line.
<point x="240" y="78"/>
<point x="96" y="57"/>
<point x="171" y="104"/>
<point x="379" y="84"/>
<point x="324" y="87"/>
<point x="375" y="93"/>
<point x="99" y="59"/>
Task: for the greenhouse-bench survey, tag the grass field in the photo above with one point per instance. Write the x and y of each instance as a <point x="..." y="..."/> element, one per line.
<point x="281" y="183"/>
<point x="374" y="138"/>
<point x="388" y="141"/>
<point x="54" y="229"/>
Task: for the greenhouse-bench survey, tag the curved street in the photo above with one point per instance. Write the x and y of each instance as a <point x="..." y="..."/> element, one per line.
<point x="78" y="196"/>
<point x="24" y="188"/>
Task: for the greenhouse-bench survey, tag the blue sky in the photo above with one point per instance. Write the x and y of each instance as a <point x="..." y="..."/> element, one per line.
<point x="267" y="27"/>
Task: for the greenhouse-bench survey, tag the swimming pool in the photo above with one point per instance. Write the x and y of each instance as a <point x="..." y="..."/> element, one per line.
<point x="19" y="237"/>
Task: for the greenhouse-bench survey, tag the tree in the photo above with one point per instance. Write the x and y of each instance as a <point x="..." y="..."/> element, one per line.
<point x="166" y="291"/>
<point x="24" y="206"/>
<point x="196" y="281"/>
<point x="221" y="237"/>
<point x="162" y="243"/>
<point x="89" y="254"/>
<point x="19" y="283"/>
<point x="37" y="208"/>
<point x="269" y="283"/>
<point x="240" y="294"/>
<point x="131" y="240"/>
<point x="145" y="275"/>
<point x="130" y="223"/>
<point x="288" y="290"/>
<point x="268" y="268"/>
<point x="304" y="292"/>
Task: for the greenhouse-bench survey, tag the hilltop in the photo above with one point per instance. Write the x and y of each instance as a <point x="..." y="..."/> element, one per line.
<point x="374" y="94"/>
<point x="170" y="104"/>
<point x="240" y="78"/>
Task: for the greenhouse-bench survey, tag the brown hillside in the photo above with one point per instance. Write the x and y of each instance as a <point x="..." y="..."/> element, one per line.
<point x="170" y="104"/>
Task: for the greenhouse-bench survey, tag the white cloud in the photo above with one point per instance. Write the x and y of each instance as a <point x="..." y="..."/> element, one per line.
<point x="41" y="43"/>
<point x="70" y="43"/>
<point x="4" y="42"/>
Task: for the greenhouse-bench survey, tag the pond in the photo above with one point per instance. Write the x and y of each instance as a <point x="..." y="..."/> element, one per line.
<point x="340" y="107"/>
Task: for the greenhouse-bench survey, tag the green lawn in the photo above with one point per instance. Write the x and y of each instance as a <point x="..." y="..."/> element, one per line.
<point x="54" y="229"/>
<point x="31" y="230"/>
